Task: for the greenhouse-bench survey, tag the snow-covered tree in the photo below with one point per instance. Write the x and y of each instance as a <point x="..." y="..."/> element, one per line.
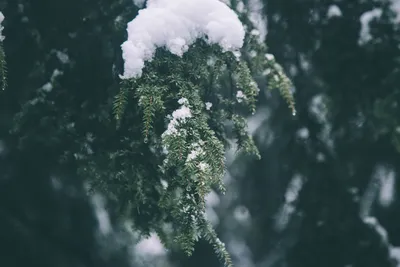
<point x="150" y="136"/>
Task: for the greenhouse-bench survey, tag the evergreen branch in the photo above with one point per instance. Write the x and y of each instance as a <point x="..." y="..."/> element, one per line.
<point x="210" y="236"/>
<point x="120" y="103"/>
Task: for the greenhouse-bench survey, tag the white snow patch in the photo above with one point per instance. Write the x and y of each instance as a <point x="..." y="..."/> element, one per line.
<point x="164" y="183"/>
<point x="254" y="122"/>
<point x="303" y="133"/>
<point x="47" y="87"/>
<point x="212" y="199"/>
<point x="334" y="11"/>
<point x="256" y="16"/>
<point x="240" y="7"/>
<point x="212" y="216"/>
<point x="195" y="152"/>
<point x="55" y="74"/>
<point x="387" y="186"/>
<point x="396" y="9"/>
<point x="365" y="19"/>
<point x="395" y="254"/>
<point x="240" y="96"/>
<point x="320" y="157"/>
<point x="101" y="214"/>
<point x="289" y="206"/>
<point x="151" y="246"/>
<point x="269" y="57"/>
<point x="183" y="101"/>
<point x="294" y="188"/>
<point x="139" y="3"/>
<point x="2" y="37"/>
<point x="175" y="25"/>
<point x="63" y="57"/>
<point x="178" y="116"/>
<point x="373" y="222"/>
<point x="241" y="214"/>
<point x="203" y="166"/>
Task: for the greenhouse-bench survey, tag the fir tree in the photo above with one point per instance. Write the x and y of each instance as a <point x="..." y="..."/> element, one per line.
<point x="157" y="148"/>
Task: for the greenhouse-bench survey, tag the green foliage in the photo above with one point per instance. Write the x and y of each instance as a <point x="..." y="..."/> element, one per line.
<point x="160" y="180"/>
<point x="120" y="102"/>
<point x="278" y="79"/>
<point x="193" y="143"/>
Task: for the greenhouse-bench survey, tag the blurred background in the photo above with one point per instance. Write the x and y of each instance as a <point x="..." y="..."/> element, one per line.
<point x="323" y="194"/>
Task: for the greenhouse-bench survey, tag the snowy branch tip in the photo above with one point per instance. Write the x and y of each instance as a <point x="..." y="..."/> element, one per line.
<point x="1" y="27"/>
<point x="175" y="25"/>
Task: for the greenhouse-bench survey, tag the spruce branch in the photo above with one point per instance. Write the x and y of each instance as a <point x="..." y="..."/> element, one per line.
<point x="193" y="138"/>
<point x="120" y="103"/>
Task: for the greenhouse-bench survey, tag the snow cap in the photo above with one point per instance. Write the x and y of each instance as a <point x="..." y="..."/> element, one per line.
<point x="175" y="25"/>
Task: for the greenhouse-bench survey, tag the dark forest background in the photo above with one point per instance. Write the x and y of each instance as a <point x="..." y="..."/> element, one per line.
<point x="324" y="193"/>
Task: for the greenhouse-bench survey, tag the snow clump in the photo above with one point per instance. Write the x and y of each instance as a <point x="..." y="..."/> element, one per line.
<point x="175" y="25"/>
<point x="1" y="27"/>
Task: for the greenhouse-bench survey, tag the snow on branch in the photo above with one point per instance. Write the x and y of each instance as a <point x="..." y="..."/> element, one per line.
<point x="175" y="25"/>
<point x="1" y="27"/>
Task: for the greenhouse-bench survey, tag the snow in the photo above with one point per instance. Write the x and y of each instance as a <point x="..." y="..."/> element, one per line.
<point x="365" y="19"/>
<point x="303" y="133"/>
<point x="334" y="11"/>
<point x="183" y="101"/>
<point x="151" y="246"/>
<point x="256" y="16"/>
<point x="318" y="108"/>
<point x="320" y="157"/>
<point x="289" y="206"/>
<point x="269" y="57"/>
<point x="208" y="105"/>
<point x="255" y="32"/>
<point x="253" y="53"/>
<point x="195" y="152"/>
<point x="139" y="3"/>
<point x="237" y="55"/>
<point x="212" y="202"/>
<point x="212" y="199"/>
<point x="175" y="25"/>
<point x="294" y="188"/>
<point x="1" y="27"/>
<point x="240" y="96"/>
<point x="240" y="7"/>
<point x="395" y="254"/>
<point x="47" y="87"/>
<point x="101" y="214"/>
<point x="63" y="57"/>
<point x="241" y="214"/>
<point x="267" y="72"/>
<point x="164" y="183"/>
<point x="178" y="116"/>
<point x="55" y="74"/>
<point x="387" y="186"/>
<point x="396" y="9"/>
<point x="373" y="222"/>
<point x="203" y="166"/>
<point x="257" y="120"/>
